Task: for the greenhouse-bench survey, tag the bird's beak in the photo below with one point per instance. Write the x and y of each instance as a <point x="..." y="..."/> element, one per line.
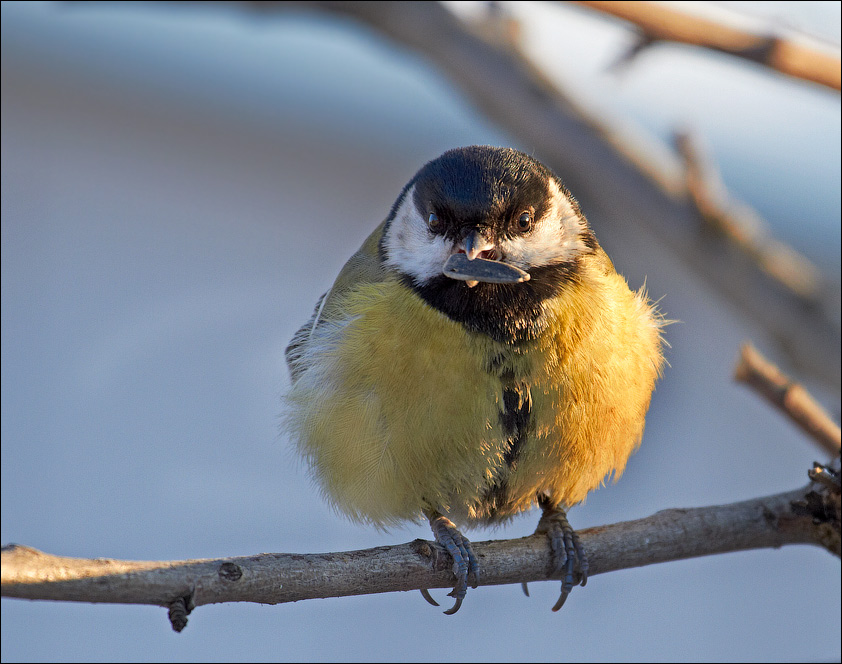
<point x="474" y="244"/>
<point x="476" y="260"/>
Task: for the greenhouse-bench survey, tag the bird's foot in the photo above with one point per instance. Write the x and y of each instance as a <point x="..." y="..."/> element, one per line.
<point x="465" y="563"/>
<point x="567" y="551"/>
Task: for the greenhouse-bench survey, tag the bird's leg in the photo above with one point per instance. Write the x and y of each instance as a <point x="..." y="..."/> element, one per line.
<point x="464" y="561"/>
<point x="566" y="547"/>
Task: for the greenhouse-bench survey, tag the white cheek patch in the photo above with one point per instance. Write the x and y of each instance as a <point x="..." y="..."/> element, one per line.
<point x="556" y="237"/>
<point x="410" y="247"/>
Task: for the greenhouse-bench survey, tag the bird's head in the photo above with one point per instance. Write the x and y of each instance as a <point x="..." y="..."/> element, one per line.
<point x="486" y="234"/>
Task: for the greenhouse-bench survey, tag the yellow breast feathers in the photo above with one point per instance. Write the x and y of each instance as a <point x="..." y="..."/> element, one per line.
<point x="399" y="409"/>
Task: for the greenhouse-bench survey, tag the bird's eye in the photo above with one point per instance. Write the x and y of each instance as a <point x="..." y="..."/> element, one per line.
<point x="524" y="222"/>
<point x="433" y="222"/>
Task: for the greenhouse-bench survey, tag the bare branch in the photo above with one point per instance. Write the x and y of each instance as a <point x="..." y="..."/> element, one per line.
<point x="658" y="22"/>
<point x="788" y="396"/>
<point x="673" y="534"/>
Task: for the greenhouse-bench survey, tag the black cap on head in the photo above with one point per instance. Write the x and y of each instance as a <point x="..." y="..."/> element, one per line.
<point x="481" y="186"/>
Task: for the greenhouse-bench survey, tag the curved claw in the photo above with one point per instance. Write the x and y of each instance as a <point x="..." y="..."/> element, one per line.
<point x="465" y="563"/>
<point x="567" y="584"/>
<point x="561" y="600"/>
<point x="567" y="551"/>
<point x="454" y="608"/>
<point x="525" y="588"/>
<point x="426" y="595"/>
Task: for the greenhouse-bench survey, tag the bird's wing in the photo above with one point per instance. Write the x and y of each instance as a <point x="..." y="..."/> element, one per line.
<point x="364" y="267"/>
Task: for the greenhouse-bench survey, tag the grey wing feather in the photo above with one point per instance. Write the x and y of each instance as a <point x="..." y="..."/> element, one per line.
<point x="294" y="350"/>
<point x="364" y="267"/>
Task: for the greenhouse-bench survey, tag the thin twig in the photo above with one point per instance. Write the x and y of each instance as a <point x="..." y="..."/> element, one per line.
<point x="741" y="225"/>
<point x="673" y="534"/>
<point x="790" y="397"/>
<point x="656" y="22"/>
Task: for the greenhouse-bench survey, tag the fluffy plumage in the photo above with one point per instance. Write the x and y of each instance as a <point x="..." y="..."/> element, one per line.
<point x="416" y="395"/>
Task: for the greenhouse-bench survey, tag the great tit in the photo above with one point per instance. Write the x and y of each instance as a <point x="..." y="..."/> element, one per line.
<point x="477" y="356"/>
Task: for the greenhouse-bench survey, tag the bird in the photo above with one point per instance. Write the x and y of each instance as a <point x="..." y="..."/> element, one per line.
<point x="478" y="356"/>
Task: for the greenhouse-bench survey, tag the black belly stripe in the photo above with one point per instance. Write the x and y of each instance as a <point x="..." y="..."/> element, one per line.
<point x="516" y="421"/>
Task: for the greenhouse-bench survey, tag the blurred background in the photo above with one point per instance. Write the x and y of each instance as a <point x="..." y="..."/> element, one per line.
<point x="181" y="183"/>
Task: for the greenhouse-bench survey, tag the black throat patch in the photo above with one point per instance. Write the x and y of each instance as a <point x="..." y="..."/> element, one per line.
<point x="508" y="313"/>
